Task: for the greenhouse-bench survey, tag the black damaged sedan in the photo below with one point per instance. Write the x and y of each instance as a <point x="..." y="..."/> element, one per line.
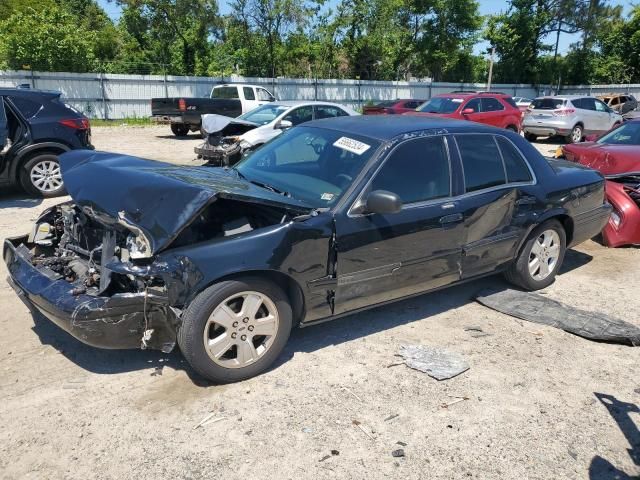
<point x="331" y="217"/>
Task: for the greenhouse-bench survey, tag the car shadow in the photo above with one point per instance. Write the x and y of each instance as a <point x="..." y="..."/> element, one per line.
<point x="602" y="469"/>
<point x="16" y="199"/>
<point x="309" y="339"/>
<point x="551" y="140"/>
<point x="192" y="136"/>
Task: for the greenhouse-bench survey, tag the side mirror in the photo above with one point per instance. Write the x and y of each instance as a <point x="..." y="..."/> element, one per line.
<point x="383" y="202"/>
<point x="272" y="99"/>
<point x="467" y="111"/>
<point x="284" y="124"/>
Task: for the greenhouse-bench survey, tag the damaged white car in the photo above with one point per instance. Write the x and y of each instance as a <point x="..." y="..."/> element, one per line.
<point x="227" y="139"/>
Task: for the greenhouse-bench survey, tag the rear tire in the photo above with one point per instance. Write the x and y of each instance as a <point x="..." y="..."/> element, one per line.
<point x="40" y="176"/>
<point x="530" y="137"/>
<point x="546" y="245"/>
<point x="180" y="129"/>
<point x="216" y="336"/>
<point x="512" y="128"/>
<point x="576" y="135"/>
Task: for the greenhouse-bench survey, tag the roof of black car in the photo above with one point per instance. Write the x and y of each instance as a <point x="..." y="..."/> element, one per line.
<point x="387" y="127"/>
<point x="26" y="92"/>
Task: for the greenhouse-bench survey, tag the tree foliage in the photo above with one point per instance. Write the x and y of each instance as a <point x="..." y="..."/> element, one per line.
<point x="367" y="39"/>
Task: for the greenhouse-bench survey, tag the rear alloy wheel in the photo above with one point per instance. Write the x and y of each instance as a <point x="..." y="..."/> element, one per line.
<point x="180" y="129"/>
<point x="576" y="135"/>
<point x="540" y="258"/>
<point x="235" y="329"/>
<point x="40" y="176"/>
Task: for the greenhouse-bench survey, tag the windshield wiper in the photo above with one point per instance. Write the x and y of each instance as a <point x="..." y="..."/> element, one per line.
<point x="266" y="186"/>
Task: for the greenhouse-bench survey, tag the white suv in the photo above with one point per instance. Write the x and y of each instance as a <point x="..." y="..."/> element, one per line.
<point x="571" y="117"/>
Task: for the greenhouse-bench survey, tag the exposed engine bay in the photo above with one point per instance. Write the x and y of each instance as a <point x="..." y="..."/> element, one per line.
<point x="76" y="247"/>
<point x="630" y="184"/>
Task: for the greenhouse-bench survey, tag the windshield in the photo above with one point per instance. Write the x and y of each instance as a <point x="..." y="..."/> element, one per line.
<point x="440" y="105"/>
<point x="310" y="164"/>
<point x="625" y="134"/>
<point x="264" y="114"/>
<point x="547" y="103"/>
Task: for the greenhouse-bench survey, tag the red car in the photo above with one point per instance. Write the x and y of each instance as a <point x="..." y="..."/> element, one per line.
<point x="617" y="156"/>
<point x="497" y="109"/>
<point x="392" y="107"/>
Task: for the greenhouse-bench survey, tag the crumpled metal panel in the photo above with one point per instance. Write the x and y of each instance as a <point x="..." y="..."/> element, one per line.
<point x="546" y="311"/>
<point x="438" y="363"/>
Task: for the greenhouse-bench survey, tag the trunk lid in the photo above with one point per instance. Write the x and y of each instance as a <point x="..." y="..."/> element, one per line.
<point x="154" y="200"/>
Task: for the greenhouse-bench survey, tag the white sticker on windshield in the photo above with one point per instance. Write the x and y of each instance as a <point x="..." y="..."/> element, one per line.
<point x="456" y="100"/>
<point x="351" y="145"/>
<point x="327" y="197"/>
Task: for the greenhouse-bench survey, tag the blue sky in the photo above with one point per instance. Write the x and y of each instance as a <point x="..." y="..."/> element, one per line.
<point x="486" y="7"/>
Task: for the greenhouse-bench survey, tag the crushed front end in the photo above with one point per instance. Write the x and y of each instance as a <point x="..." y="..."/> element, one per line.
<point x="623" y="193"/>
<point x="93" y="280"/>
<point x="223" y="145"/>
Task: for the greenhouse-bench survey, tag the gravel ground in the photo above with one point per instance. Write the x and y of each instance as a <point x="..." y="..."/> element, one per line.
<point x="532" y="409"/>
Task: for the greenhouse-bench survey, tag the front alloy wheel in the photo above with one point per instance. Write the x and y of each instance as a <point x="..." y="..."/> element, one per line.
<point x="235" y="329"/>
<point x="241" y="329"/>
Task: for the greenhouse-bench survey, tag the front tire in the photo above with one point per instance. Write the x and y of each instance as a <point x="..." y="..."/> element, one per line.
<point x="540" y="258"/>
<point x="40" y="176"/>
<point x="235" y="329"/>
<point x="180" y="129"/>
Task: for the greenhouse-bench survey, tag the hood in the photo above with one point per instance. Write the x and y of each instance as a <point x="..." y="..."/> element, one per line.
<point x="212" y="123"/>
<point x="606" y="158"/>
<point x="153" y="199"/>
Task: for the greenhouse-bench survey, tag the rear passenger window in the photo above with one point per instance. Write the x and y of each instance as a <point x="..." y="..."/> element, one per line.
<point x="473" y="104"/>
<point x="491" y="105"/>
<point x="514" y="164"/>
<point x="417" y="170"/>
<point x="248" y="93"/>
<point x="328" y="111"/>
<point x="481" y="161"/>
<point x="511" y="101"/>
<point x="27" y="107"/>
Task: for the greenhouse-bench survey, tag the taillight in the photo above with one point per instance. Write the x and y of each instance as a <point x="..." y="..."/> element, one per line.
<point x="76" y="123"/>
<point x="564" y="112"/>
<point x="182" y="104"/>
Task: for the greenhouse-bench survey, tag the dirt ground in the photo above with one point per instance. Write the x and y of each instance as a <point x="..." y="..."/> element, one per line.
<point x="533" y="409"/>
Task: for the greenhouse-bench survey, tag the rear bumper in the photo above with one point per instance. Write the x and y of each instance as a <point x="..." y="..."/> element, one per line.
<point x="589" y="224"/>
<point x="118" y="321"/>
<point x="545" y="131"/>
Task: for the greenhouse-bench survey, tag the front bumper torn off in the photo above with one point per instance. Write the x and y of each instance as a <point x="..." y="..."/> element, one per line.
<point x="118" y="321"/>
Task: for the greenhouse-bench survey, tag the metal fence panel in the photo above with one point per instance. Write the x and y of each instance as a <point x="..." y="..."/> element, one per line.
<point x="117" y="96"/>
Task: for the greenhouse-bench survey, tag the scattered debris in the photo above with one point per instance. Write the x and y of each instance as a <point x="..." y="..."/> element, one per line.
<point x="457" y="400"/>
<point x="307" y="430"/>
<point x="398" y="453"/>
<point x="539" y="309"/>
<point x="349" y="391"/>
<point x="476" y="331"/>
<point x="357" y="424"/>
<point x="395" y="364"/>
<point x="435" y="362"/>
<point x="391" y="417"/>
<point x="402" y="444"/>
<point x="208" y="419"/>
<point x="157" y="371"/>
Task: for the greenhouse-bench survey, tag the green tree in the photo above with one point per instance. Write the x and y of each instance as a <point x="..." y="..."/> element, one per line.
<point x="47" y="39"/>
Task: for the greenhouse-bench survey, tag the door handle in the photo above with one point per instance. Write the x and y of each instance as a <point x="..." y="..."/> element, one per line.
<point x="453" y="218"/>
<point x="527" y="201"/>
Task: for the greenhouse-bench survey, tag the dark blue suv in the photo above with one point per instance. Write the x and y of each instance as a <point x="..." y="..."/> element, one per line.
<point x="35" y="127"/>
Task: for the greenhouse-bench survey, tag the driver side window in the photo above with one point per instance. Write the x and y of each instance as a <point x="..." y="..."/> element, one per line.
<point x="601" y="107"/>
<point x="474" y="104"/>
<point x="300" y="115"/>
<point x="417" y="170"/>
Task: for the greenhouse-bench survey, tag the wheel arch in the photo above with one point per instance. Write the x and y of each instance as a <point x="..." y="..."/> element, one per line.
<point x="561" y="216"/>
<point x="29" y="151"/>
<point x="291" y="287"/>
